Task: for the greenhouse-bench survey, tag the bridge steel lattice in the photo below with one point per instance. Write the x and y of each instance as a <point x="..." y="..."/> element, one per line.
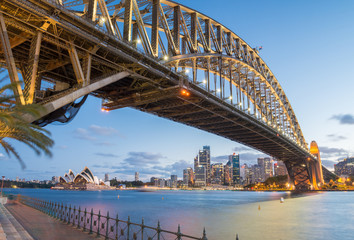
<point x="156" y="56"/>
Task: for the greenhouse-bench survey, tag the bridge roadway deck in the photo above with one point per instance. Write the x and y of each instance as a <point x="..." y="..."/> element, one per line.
<point x="41" y="226"/>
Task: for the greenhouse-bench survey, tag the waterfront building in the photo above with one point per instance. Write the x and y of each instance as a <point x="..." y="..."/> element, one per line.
<point x="217" y="173"/>
<point x="200" y="176"/>
<point x="152" y="179"/>
<point x="280" y="169"/>
<point x="82" y="181"/>
<point x="266" y="168"/>
<point x="228" y="180"/>
<point x="204" y="160"/>
<point x="106" y="177"/>
<point x="188" y="177"/>
<point x="235" y="160"/>
<point x="136" y="176"/>
<point x="345" y="167"/>
<point x="174" y="181"/>
<point x="17" y="179"/>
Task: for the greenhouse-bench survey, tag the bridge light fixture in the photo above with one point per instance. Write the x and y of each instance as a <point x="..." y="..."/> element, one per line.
<point x="138" y="41"/>
<point x="204" y="81"/>
<point x="249" y="110"/>
<point x="186" y="71"/>
<point x="218" y="90"/>
<point x="165" y="57"/>
<point x="185" y="92"/>
<point x="240" y="104"/>
<point x="104" y="109"/>
<point x="230" y="97"/>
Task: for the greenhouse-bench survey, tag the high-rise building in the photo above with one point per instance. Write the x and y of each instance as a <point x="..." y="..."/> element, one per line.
<point x="266" y="168"/>
<point x="136" y="176"/>
<point x="17" y="179"/>
<point x="204" y="160"/>
<point x="217" y="173"/>
<point x="106" y="177"/>
<point x="228" y="180"/>
<point x="152" y="179"/>
<point x="200" y="176"/>
<point x="235" y="160"/>
<point x="188" y="177"/>
<point x="174" y="181"/>
<point x="280" y="169"/>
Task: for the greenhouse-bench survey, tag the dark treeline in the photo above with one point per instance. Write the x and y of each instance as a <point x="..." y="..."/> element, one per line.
<point x="11" y="184"/>
<point x="115" y="183"/>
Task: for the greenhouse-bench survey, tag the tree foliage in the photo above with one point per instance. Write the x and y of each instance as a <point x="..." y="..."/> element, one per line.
<point x="14" y="126"/>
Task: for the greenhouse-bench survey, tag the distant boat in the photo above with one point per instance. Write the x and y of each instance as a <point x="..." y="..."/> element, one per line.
<point x="281" y="200"/>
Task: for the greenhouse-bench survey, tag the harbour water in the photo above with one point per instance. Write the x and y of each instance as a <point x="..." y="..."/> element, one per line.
<point x="252" y="215"/>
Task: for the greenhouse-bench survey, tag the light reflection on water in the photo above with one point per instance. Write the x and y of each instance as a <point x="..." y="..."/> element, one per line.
<point x="326" y="215"/>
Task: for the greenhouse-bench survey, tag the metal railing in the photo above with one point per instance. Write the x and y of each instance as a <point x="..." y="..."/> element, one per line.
<point x="101" y="225"/>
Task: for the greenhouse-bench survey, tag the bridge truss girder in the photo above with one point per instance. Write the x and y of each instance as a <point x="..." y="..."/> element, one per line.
<point x="64" y="47"/>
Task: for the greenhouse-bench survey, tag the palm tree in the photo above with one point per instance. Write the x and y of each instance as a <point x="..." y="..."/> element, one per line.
<point x="12" y="124"/>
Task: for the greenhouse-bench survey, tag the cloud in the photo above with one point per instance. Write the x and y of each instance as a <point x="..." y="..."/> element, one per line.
<point x="93" y="131"/>
<point x="143" y="158"/>
<point x="102" y="131"/>
<point x="242" y="149"/>
<point x="82" y="133"/>
<point x="62" y="147"/>
<point x="344" y="118"/>
<point x="2" y="155"/>
<point x="328" y="163"/>
<point x="110" y="155"/>
<point x="335" y="137"/>
<point x="220" y="159"/>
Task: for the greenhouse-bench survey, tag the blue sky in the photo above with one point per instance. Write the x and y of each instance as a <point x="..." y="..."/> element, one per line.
<point x="309" y="46"/>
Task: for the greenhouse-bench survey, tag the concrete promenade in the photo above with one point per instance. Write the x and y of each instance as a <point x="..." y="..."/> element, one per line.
<point x="18" y="221"/>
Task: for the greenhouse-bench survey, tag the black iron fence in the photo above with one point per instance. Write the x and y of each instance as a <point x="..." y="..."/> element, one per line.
<point x="104" y="225"/>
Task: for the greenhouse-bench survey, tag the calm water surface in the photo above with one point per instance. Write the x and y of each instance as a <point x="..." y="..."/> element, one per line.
<point x="326" y="215"/>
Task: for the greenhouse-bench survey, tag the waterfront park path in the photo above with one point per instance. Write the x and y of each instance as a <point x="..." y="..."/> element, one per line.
<point x="18" y="221"/>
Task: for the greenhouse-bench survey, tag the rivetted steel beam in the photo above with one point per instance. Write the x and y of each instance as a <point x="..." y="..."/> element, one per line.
<point x="128" y="12"/>
<point x="76" y="65"/>
<point x="72" y="96"/>
<point x="92" y="10"/>
<point x="31" y="72"/>
<point x="10" y="61"/>
<point x="176" y="28"/>
<point x="155" y="27"/>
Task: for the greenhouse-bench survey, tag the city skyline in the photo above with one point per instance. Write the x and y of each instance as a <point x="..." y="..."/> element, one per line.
<point x="121" y="141"/>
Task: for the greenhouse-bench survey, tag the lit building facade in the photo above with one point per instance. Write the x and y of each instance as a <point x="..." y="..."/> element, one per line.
<point x="204" y="160"/>
<point x="228" y="180"/>
<point x="217" y="173"/>
<point x="200" y="176"/>
<point x="235" y="160"/>
<point x="345" y="167"/>
<point x="280" y="169"/>
<point x="136" y="176"/>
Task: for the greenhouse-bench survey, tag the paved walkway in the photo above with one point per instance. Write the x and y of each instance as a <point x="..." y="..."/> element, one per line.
<point x="10" y="228"/>
<point x="41" y="226"/>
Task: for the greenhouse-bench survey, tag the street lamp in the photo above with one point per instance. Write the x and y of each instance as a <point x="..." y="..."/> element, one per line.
<point x="2" y="184"/>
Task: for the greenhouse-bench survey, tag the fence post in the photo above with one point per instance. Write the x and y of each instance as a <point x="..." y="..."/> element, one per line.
<point x="179" y="232"/>
<point x="128" y="231"/>
<point x="142" y="229"/>
<point x="117" y="221"/>
<point x="204" y="235"/>
<point x="91" y="221"/>
<point x="158" y="230"/>
<point x="74" y="216"/>
<point x="107" y="225"/>
<point x="79" y="218"/>
<point x="85" y="212"/>
<point x="98" y="221"/>
<point x="69" y="214"/>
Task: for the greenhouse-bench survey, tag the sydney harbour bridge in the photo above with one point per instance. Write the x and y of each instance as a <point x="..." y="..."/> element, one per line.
<point x="156" y="56"/>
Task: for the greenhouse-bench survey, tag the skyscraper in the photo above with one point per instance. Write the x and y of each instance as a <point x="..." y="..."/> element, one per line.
<point x="188" y="177"/>
<point x="106" y="177"/>
<point x="200" y="176"/>
<point x="217" y="173"/>
<point x="235" y="159"/>
<point x="228" y="180"/>
<point x="174" y="181"/>
<point x="136" y="176"/>
<point x="204" y="160"/>
<point x="266" y="168"/>
<point x="280" y="169"/>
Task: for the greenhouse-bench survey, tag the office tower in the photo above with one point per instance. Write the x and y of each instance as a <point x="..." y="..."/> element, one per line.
<point x="204" y="160"/>
<point x="200" y="176"/>
<point x="280" y="169"/>
<point x="217" y="173"/>
<point x="228" y="180"/>
<point x="174" y="181"/>
<point x="106" y="177"/>
<point x="136" y="176"/>
<point x="235" y="160"/>
<point x="188" y="177"/>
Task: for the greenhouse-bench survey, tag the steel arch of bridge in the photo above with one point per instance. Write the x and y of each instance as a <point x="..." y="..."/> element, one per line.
<point x="136" y="53"/>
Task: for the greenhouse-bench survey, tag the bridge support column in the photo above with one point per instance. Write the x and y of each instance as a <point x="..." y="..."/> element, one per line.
<point x="299" y="174"/>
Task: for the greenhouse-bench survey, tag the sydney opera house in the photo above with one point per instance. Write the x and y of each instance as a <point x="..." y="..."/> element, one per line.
<point x="81" y="181"/>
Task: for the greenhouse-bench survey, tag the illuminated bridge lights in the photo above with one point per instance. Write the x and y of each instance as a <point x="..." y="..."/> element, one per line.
<point x="185" y="92"/>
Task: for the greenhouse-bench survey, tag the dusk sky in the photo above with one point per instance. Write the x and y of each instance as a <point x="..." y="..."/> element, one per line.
<point x="308" y="45"/>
